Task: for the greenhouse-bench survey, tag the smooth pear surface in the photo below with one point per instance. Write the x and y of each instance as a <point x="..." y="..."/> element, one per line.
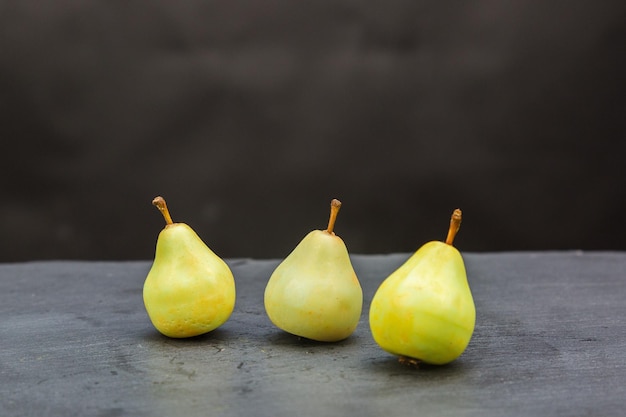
<point x="314" y="292"/>
<point x="425" y="309"/>
<point x="189" y="289"/>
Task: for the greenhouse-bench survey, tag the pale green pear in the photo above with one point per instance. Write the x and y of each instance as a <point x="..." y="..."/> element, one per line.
<point x="189" y="289"/>
<point x="314" y="292"/>
<point x="424" y="311"/>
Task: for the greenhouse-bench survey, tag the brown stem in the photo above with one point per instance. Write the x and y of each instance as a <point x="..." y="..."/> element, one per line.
<point x="159" y="202"/>
<point x="335" y="205"/>
<point x="455" y="224"/>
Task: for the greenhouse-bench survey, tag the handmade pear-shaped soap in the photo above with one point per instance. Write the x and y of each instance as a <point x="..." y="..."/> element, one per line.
<point x="424" y="311"/>
<point x="189" y="289"/>
<point x="314" y="292"/>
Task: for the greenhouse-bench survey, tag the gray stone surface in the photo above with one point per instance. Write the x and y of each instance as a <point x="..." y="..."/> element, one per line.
<point x="550" y="340"/>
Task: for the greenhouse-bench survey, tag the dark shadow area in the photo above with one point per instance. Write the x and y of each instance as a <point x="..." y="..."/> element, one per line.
<point x="284" y="339"/>
<point x="249" y="118"/>
<point x="390" y="366"/>
<point x="219" y="335"/>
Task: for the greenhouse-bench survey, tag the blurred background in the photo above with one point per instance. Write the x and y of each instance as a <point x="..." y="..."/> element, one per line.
<point x="249" y="117"/>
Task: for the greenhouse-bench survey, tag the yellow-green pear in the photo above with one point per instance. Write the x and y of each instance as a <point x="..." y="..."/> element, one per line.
<point x="314" y="292"/>
<point x="189" y="289"/>
<point x="424" y="311"/>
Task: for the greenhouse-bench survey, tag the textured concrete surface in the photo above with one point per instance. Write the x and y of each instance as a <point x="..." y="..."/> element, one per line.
<point x="550" y="340"/>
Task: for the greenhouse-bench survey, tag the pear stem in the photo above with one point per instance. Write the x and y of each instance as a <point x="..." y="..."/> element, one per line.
<point x="455" y="224"/>
<point x="159" y="202"/>
<point x="335" y="205"/>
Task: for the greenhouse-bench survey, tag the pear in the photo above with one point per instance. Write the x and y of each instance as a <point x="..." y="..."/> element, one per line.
<point x="189" y="289"/>
<point x="314" y="292"/>
<point x="424" y="311"/>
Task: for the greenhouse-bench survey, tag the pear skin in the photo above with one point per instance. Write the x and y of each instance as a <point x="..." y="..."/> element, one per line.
<point x="189" y="290"/>
<point x="314" y="292"/>
<point x="424" y="310"/>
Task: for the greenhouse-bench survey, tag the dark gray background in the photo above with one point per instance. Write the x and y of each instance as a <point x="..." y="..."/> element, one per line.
<point x="248" y="117"/>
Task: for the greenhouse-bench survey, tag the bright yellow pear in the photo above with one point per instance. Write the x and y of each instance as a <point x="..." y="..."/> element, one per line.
<point x="424" y="311"/>
<point x="314" y="292"/>
<point x="189" y="289"/>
